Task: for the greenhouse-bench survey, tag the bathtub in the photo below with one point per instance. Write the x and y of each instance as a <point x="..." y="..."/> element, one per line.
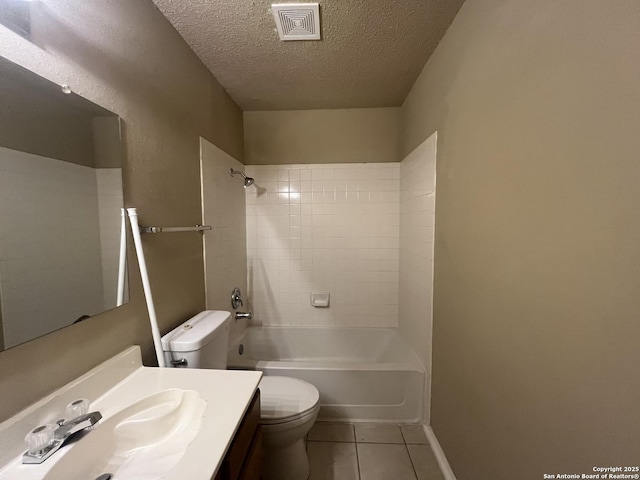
<point x="363" y="374"/>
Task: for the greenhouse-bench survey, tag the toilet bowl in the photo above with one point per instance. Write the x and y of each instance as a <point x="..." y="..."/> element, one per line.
<point x="288" y="406"/>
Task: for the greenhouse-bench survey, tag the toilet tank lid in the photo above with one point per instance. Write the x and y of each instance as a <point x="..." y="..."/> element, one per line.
<point x="195" y="332"/>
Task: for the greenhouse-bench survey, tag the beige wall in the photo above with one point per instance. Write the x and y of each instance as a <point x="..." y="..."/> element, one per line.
<point x="64" y="133"/>
<point x="537" y="250"/>
<point x="108" y="147"/>
<point x="126" y="57"/>
<point x="225" y="246"/>
<point x="321" y="136"/>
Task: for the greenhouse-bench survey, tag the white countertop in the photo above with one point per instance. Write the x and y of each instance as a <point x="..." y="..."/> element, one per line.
<point x="120" y="382"/>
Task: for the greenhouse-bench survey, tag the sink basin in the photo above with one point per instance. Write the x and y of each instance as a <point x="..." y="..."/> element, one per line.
<point x="141" y="441"/>
<point x="158" y="423"/>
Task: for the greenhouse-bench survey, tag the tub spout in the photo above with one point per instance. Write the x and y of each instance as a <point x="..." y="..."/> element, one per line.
<point x="241" y="315"/>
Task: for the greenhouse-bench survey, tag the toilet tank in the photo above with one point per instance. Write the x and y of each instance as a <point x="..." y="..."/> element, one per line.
<point x="201" y="341"/>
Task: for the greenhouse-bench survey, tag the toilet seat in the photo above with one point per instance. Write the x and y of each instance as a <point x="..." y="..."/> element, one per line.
<point x="286" y="399"/>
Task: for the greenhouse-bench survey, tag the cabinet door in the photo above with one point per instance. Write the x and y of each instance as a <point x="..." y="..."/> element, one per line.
<point x="253" y="465"/>
<point x="245" y="442"/>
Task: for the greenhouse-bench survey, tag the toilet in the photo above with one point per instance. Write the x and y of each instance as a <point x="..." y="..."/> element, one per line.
<point x="288" y="406"/>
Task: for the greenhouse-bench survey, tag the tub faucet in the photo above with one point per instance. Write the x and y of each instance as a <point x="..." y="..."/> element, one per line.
<point x="43" y="445"/>
<point x="236" y="298"/>
<point x="241" y="315"/>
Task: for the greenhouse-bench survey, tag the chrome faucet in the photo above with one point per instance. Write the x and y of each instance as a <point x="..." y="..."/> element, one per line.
<point x="236" y="298"/>
<point x="43" y="445"/>
<point x="74" y="425"/>
<point x="236" y="302"/>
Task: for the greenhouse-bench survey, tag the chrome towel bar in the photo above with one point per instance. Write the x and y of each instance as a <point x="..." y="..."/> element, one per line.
<point x="197" y="228"/>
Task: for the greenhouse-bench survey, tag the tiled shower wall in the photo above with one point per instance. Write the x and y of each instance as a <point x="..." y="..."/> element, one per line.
<point x="330" y="228"/>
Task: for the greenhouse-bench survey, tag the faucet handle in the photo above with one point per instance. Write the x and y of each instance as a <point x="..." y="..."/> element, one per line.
<point x="39" y="439"/>
<point x="236" y="298"/>
<point x="77" y="408"/>
<point x="45" y="440"/>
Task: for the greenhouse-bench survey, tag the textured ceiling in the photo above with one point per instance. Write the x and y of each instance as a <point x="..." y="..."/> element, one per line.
<point x="371" y="53"/>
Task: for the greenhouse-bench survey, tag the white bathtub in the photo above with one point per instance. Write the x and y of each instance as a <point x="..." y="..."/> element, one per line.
<point x="363" y="374"/>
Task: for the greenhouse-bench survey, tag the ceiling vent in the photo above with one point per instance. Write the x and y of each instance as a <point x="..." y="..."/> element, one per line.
<point x="297" y="21"/>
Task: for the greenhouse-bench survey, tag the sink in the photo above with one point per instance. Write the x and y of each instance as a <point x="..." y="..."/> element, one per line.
<point x="141" y="441"/>
<point x="157" y="423"/>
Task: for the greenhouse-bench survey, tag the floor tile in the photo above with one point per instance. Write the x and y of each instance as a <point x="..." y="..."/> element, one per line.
<point x="384" y="462"/>
<point x="424" y="462"/>
<point x="332" y="461"/>
<point x="332" y="432"/>
<point x="378" y="433"/>
<point x="414" y="434"/>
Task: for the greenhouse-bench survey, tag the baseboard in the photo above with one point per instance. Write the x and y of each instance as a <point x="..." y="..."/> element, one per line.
<point x="439" y="454"/>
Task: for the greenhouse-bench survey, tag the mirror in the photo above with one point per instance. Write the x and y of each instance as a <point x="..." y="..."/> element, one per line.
<point x="61" y="228"/>
<point x="30" y="19"/>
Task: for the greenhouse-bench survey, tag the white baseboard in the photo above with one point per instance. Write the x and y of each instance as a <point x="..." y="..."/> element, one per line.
<point x="439" y="454"/>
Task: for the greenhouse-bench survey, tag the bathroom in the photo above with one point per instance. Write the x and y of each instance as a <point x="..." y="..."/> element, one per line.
<point x="535" y="302"/>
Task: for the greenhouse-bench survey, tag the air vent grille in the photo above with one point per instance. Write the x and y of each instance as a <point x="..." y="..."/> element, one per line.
<point x="297" y="21"/>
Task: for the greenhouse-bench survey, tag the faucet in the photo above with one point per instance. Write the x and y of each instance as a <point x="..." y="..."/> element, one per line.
<point x="42" y="444"/>
<point x="236" y="302"/>
<point x="72" y="426"/>
<point x="236" y="298"/>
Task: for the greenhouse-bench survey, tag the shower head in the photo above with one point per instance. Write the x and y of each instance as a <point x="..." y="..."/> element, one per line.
<point x="248" y="181"/>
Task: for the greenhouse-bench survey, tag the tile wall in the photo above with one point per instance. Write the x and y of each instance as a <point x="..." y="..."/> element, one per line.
<point x="330" y="228"/>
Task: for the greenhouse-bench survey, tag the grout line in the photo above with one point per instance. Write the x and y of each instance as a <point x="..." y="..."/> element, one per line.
<point x="404" y="439"/>
<point x="332" y="441"/>
<point x="415" y="471"/>
<point x="357" y="443"/>
<point x="365" y="443"/>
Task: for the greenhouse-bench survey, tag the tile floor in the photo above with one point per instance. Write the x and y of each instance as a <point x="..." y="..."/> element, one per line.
<point x="341" y="451"/>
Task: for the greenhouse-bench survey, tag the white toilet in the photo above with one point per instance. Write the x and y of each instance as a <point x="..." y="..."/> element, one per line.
<point x="288" y="406"/>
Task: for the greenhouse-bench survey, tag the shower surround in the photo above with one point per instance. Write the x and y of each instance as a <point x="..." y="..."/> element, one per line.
<point x="361" y="232"/>
<point x="324" y="228"/>
<point x="364" y="234"/>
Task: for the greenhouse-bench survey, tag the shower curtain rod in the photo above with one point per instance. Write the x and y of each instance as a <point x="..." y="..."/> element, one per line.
<point x="146" y="286"/>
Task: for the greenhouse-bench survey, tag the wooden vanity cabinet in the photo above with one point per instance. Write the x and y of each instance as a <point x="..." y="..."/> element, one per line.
<point x="244" y="458"/>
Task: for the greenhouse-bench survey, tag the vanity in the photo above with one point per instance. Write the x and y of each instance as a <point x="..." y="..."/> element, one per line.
<point x="244" y="457"/>
<point x="157" y="423"/>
